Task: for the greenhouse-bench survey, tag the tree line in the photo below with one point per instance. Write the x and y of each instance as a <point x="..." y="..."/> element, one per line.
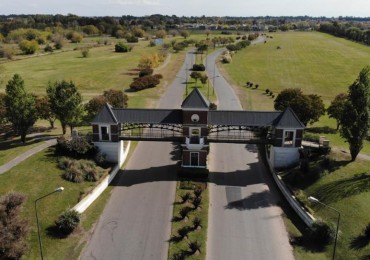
<point x="62" y="101"/>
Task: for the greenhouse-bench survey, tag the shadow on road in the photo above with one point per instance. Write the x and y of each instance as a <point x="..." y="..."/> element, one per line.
<point x="152" y="174"/>
<point x="254" y="201"/>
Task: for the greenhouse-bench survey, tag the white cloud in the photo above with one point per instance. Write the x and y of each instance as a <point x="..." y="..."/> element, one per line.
<point x="136" y="2"/>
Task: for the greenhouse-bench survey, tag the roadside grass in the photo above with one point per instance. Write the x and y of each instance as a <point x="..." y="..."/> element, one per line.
<point x="345" y="186"/>
<point x="37" y="176"/>
<point x="177" y="244"/>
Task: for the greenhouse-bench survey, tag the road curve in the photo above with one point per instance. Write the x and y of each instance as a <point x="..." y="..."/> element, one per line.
<point x="136" y="221"/>
<point x="244" y="219"/>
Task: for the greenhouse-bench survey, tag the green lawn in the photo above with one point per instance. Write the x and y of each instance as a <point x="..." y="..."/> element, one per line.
<point x="36" y="177"/>
<point x="315" y="62"/>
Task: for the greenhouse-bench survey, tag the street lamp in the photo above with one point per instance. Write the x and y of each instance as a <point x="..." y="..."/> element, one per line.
<point x="60" y="189"/>
<point x="213" y="84"/>
<point x="313" y="199"/>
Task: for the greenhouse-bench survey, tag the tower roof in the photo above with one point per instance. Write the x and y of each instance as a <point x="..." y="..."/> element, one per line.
<point x="288" y="119"/>
<point x="195" y="100"/>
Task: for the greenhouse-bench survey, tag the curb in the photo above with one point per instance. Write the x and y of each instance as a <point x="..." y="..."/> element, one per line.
<point x="306" y="217"/>
<point x="98" y="190"/>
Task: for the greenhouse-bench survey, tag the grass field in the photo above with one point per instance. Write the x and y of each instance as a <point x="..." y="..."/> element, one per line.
<point x="315" y="62"/>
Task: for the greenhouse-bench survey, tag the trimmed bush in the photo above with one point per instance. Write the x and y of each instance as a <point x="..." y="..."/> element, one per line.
<point x="196" y="202"/>
<point x="199" y="67"/>
<point x="68" y="221"/>
<point x="194" y="247"/>
<point x="321" y="233"/>
<point x="185" y="197"/>
<point x="197" y="222"/>
<point x="145" y="72"/>
<point x="145" y="82"/>
<point x="121" y="47"/>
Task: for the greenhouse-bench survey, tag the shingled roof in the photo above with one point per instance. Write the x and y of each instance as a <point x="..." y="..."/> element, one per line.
<point x="195" y="100"/>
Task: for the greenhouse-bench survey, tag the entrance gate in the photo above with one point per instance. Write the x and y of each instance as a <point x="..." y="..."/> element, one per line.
<point x="195" y="126"/>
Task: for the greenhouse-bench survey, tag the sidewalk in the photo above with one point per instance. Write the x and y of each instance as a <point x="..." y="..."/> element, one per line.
<point x="6" y="167"/>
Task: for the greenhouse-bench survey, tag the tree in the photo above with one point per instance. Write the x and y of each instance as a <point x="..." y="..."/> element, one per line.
<point x="196" y="75"/>
<point x="28" y="47"/>
<point x="308" y="108"/>
<point x="116" y="98"/>
<point x="44" y="111"/>
<point x="355" y="118"/>
<point x="161" y="34"/>
<point x="65" y="103"/>
<point x="121" y="47"/>
<point x="203" y="78"/>
<point x="184" y="34"/>
<point x="20" y="107"/>
<point x="335" y="110"/>
<point x="2" y="109"/>
<point x="13" y="229"/>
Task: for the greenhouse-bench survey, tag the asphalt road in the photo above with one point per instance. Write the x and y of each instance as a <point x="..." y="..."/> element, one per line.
<point x="136" y="221"/>
<point x="244" y="220"/>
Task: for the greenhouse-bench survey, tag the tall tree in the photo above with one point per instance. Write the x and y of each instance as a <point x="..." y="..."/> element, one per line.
<point x="308" y="108"/>
<point x="65" y="102"/>
<point x="356" y="113"/>
<point x="44" y="111"/>
<point x="2" y="109"/>
<point x="20" y="107"/>
<point x="13" y="229"/>
<point x="336" y="108"/>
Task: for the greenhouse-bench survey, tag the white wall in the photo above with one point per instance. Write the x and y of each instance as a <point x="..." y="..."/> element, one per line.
<point x="281" y="157"/>
<point x="114" y="150"/>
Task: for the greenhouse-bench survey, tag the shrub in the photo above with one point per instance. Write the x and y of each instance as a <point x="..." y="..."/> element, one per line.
<point x="194" y="247"/>
<point x="145" y="82"/>
<point x="197" y="201"/>
<point x="28" y="47"/>
<point x="145" y="72"/>
<point x="92" y="174"/>
<point x="48" y="48"/>
<point x="182" y="232"/>
<point x="100" y="158"/>
<point x="199" y="67"/>
<point x="197" y="222"/>
<point x="68" y="221"/>
<point x="185" y="197"/>
<point x="64" y="163"/>
<point x="7" y="52"/>
<point x="132" y="39"/>
<point x="184" y="212"/>
<point x="121" y="47"/>
<point x="321" y="233"/>
<point x="212" y="106"/>
<point x="267" y="91"/>
<point x="79" y="147"/>
<point x="256" y="86"/>
<point x="226" y="58"/>
<point x="197" y="191"/>
<point x="85" y="52"/>
<point x="13" y="229"/>
<point x="73" y="174"/>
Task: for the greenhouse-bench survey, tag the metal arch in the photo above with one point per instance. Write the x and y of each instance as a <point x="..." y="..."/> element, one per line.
<point x="171" y="127"/>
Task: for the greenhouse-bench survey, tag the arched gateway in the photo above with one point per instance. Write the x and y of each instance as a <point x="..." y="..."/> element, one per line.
<point x="194" y="126"/>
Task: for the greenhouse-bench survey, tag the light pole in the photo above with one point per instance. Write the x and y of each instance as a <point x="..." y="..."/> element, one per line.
<point x="60" y="189"/>
<point x="313" y="199"/>
<point x="213" y="84"/>
<point x="186" y="79"/>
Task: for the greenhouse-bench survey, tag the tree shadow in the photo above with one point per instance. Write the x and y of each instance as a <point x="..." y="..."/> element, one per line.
<point x="321" y="130"/>
<point x="251" y="148"/>
<point x="359" y="242"/>
<point x="53" y="231"/>
<point x="176" y="151"/>
<point x="254" y="201"/>
<point x="337" y="190"/>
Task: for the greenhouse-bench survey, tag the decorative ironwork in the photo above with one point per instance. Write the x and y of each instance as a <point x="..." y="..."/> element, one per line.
<point x="151" y="132"/>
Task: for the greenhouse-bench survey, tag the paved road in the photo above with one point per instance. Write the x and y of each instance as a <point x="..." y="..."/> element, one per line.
<point x="244" y="221"/>
<point x="136" y="221"/>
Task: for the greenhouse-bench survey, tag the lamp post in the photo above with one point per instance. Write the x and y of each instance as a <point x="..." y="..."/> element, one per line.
<point x="213" y="84"/>
<point x="313" y="199"/>
<point x="186" y="79"/>
<point x="60" y="189"/>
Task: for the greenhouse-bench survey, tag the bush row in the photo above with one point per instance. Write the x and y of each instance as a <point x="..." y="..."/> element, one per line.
<point x="149" y="81"/>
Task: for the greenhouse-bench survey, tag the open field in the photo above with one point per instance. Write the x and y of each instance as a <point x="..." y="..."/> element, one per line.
<point x="315" y="62"/>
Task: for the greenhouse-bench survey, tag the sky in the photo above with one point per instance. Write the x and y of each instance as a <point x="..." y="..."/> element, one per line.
<point x="328" y="8"/>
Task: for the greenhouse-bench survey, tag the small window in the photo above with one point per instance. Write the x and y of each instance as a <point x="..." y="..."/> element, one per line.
<point x="104" y="133"/>
<point x="195" y="132"/>
<point x="289" y="138"/>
